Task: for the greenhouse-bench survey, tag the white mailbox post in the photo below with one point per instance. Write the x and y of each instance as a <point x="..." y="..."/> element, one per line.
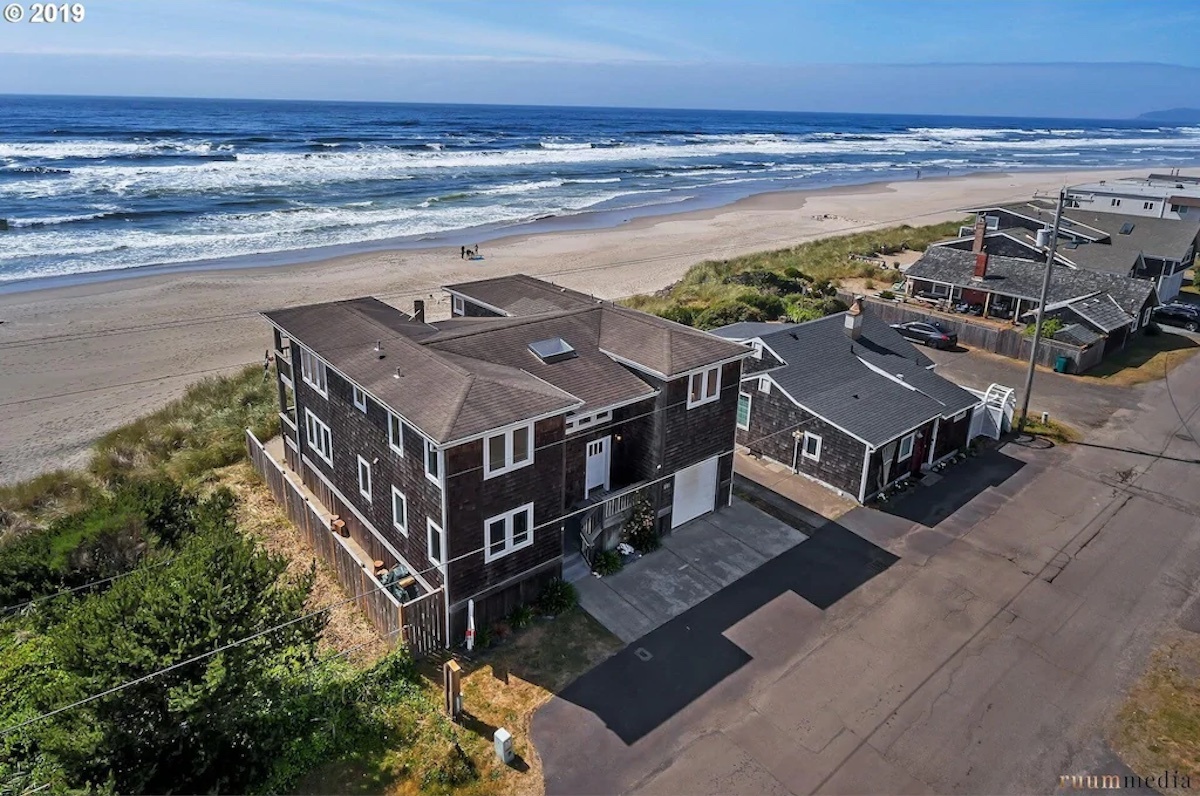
<point x="504" y="746"/>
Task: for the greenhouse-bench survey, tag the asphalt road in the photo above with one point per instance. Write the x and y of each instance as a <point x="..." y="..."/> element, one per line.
<point x="989" y="658"/>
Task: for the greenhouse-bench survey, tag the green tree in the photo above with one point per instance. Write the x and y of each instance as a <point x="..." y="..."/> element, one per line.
<point x="211" y="725"/>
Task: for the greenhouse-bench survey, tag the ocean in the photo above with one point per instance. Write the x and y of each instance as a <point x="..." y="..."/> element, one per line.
<point x="94" y="185"/>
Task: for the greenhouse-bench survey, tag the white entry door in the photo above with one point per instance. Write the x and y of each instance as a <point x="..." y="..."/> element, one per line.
<point x="695" y="492"/>
<point x="597" y="465"/>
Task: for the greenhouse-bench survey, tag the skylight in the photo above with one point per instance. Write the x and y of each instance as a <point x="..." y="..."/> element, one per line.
<point x="1126" y="228"/>
<point x="553" y="350"/>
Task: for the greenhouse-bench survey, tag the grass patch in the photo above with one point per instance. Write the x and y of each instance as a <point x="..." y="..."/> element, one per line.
<point x="1158" y="727"/>
<point x="502" y="687"/>
<point x="797" y="282"/>
<point x="1051" y="429"/>
<point x="1146" y="358"/>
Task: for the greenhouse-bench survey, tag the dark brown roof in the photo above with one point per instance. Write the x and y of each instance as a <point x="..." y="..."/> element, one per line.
<point x="521" y="294"/>
<point x="465" y="376"/>
<point x="446" y="396"/>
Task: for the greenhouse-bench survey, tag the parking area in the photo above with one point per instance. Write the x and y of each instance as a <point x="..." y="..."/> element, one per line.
<point x="696" y="561"/>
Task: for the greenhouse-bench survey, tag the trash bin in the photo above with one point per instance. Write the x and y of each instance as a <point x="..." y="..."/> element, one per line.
<point x="1062" y="363"/>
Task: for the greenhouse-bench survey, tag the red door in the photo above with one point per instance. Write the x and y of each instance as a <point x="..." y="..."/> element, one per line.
<point x="920" y="448"/>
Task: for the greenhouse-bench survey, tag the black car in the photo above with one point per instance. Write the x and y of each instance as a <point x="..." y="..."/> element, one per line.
<point x="927" y="332"/>
<point x="1177" y="314"/>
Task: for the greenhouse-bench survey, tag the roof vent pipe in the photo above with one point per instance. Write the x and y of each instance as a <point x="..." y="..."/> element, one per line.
<point x="1043" y="238"/>
<point x="854" y="318"/>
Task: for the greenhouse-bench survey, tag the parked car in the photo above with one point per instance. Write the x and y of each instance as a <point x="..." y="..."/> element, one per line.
<point x="1178" y="314"/>
<point x="928" y="332"/>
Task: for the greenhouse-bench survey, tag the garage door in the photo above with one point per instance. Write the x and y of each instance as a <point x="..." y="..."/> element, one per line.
<point x="695" y="492"/>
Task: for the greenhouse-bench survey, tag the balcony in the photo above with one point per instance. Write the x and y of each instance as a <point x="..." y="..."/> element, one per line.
<point x="283" y="363"/>
<point x="288" y="418"/>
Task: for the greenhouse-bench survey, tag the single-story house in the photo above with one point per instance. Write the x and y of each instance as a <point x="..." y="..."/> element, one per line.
<point x="1111" y="305"/>
<point x="846" y="401"/>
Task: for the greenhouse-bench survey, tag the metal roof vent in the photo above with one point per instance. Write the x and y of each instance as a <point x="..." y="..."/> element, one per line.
<point x="553" y="350"/>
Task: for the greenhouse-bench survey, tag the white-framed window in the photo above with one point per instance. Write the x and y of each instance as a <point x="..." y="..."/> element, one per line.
<point x="360" y="400"/>
<point x="507" y="450"/>
<point x="811" y="448"/>
<point x="1146" y="316"/>
<point x="991" y="222"/>
<point x="756" y="348"/>
<point x="433" y="463"/>
<point x="396" y="433"/>
<point x="399" y="511"/>
<point x="508" y="532"/>
<point x="764" y="384"/>
<point x="435" y="538"/>
<point x="704" y="387"/>
<point x="1114" y="202"/>
<point x="743" y="412"/>
<point x="1147" y="205"/>
<point x="459" y="307"/>
<point x="906" y="446"/>
<point x="364" y="478"/>
<point x="318" y="436"/>
<point x="312" y="370"/>
<point x="580" y="422"/>
<point x="939" y="289"/>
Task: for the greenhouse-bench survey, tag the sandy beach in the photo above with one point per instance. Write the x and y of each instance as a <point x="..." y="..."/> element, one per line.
<point x="78" y="361"/>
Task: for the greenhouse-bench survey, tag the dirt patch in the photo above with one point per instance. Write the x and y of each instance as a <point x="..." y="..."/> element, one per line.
<point x="259" y="516"/>
<point x="1158" y="727"/>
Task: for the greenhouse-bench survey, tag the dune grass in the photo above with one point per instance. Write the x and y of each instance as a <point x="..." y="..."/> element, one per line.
<point x="797" y="282"/>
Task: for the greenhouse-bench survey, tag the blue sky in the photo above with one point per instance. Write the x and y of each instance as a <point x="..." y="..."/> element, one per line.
<point x="1099" y="58"/>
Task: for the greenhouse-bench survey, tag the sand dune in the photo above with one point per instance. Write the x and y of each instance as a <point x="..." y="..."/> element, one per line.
<point x="78" y="361"/>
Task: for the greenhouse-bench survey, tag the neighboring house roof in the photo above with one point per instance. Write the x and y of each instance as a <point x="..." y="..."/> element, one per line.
<point x="520" y="294"/>
<point x="1101" y="311"/>
<point x="877" y="387"/>
<point x="1078" y="334"/>
<point x="464" y="376"/>
<point x="1013" y="276"/>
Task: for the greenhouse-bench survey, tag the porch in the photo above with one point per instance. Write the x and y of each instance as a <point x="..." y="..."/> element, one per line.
<point x="400" y="606"/>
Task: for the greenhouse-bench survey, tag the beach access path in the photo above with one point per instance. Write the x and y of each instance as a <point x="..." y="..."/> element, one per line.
<point x="76" y="362"/>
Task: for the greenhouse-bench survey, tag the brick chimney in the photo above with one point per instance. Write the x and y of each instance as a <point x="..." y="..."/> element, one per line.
<point x="854" y="318"/>
<point x="419" y="311"/>
<point x="980" y="232"/>
<point x="981" y="259"/>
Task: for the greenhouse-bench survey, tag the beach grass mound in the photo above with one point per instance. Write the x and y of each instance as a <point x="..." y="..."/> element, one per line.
<point x="798" y="283"/>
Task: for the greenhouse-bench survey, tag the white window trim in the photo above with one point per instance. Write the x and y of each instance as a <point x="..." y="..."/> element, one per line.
<point x="509" y="464"/>
<point x="313" y="423"/>
<point x="430" y="528"/>
<point x="580" y="422"/>
<point x="359" y="398"/>
<point x="749" y="407"/>
<point x="939" y="289"/>
<point x="459" y="306"/>
<point x="756" y="348"/>
<point x="396" y="445"/>
<point x="816" y="457"/>
<point x="704" y="398"/>
<point x="959" y="416"/>
<point x="310" y="366"/>
<point x="437" y="455"/>
<point x="509" y="545"/>
<point x="764" y="385"/>
<point x="402" y="527"/>
<point x="1146" y="316"/>
<point x="365" y="492"/>
<point x="911" y="439"/>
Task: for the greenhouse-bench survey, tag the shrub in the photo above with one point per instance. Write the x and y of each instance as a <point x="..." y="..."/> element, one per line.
<point x="608" y="562"/>
<point x="521" y="617"/>
<point x="680" y="314"/>
<point x="727" y="312"/>
<point x="770" y="305"/>
<point x="58" y="489"/>
<point x="887" y="294"/>
<point x="792" y="272"/>
<point x="639" y="531"/>
<point x="1050" y="327"/>
<point x="869" y="284"/>
<point x="558" y="597"/>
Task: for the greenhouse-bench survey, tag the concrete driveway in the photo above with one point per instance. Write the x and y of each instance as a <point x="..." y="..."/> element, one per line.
<point x="697" y="560"/>
<point x="990" y="658"/>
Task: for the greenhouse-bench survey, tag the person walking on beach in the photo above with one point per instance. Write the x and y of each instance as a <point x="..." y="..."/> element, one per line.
<point x="266" y="364"/>
<point x="462" y="255"/>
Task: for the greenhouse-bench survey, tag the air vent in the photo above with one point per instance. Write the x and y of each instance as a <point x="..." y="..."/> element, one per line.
<point x="553" y="350"/>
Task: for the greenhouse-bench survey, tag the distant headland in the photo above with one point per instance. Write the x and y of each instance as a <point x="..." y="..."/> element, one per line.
<point x="1185" y="115"/>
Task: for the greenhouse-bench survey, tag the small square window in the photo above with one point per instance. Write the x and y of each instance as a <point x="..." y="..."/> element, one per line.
<point x="812" y="446"/>
<point x="764" y="384"/>
<point x="395" y="433"/>
<point x="507" y="450"/>
<point x="906" y="446"/>
<point x="399" y="511"/>
<point x="360" y="400"/>
<point x="508" y="532"/>
<point x="433" y="463"/>
<point x="704" y="386"/>
<point x="436" y="542"/>
<point x="459" y="308"/>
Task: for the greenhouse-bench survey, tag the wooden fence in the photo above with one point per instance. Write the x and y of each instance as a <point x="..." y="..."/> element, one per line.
<point x="1006" y="342"/>
<point x="420" y="623"/>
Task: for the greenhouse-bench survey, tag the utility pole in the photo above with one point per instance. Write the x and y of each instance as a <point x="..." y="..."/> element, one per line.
<point x="1041" y="310"/>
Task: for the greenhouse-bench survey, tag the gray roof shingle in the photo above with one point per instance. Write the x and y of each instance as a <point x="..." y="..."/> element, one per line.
<point x="843" y="381"/>
<point x="1020" y="278"/>
<point x="521" y="294"/>
<point x="1102" y="312"/>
